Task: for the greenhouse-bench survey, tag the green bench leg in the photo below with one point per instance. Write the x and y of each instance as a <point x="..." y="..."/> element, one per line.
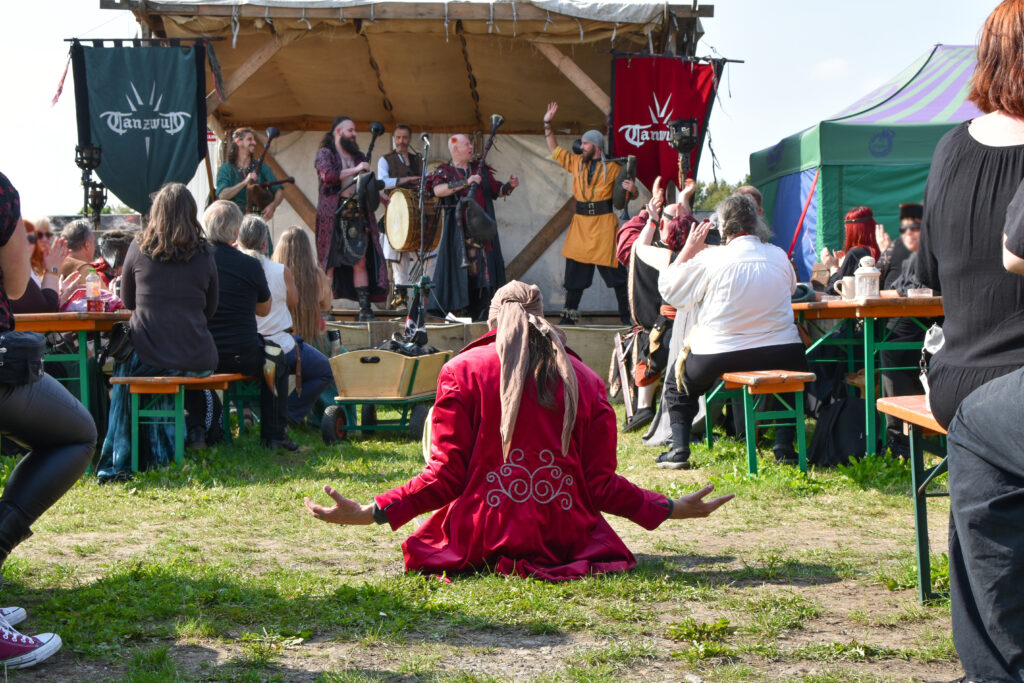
<point x="135" y="432"/>
<point x="179" y="426"/>
<point x="801" y="430"/>
<point x="750" y="426"/>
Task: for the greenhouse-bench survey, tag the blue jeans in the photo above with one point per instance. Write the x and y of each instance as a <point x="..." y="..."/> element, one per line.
<point x="316" y="375"/>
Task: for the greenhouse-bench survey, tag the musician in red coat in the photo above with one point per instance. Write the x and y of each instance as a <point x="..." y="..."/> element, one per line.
<point x="522" y="462"/>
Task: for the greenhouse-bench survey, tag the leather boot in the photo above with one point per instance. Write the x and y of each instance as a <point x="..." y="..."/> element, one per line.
<point x="400" y="299"/>
<point x="365" y="312"/>
<point x="570" y="313"/>
<point x="14" y="528"/>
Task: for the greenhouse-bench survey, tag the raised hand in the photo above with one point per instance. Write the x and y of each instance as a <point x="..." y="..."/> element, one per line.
<point x="55" y="255"/>
<point x="657" y="198"/>
<point x="551" y="111"/>
<point x="694" y="243"/>
<point x="882" y="237"/>
<point x="344" y="511"/>
<point x="694" y="504"/>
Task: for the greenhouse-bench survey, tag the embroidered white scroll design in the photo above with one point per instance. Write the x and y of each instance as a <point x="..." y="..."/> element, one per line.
<point x="519" y="483"/>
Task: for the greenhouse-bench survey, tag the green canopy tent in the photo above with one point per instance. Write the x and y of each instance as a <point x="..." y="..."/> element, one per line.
<point x="876" y="152"/>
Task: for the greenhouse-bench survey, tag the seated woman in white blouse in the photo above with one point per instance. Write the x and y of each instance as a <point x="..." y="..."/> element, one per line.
<point x="742" y="292"/>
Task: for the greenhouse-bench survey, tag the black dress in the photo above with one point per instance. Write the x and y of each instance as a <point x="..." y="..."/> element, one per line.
<point x="960" y="255"/>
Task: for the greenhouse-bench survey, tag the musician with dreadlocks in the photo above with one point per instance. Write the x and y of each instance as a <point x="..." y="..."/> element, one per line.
<point x="240" y="171"/>
<point x="521" y="464"/>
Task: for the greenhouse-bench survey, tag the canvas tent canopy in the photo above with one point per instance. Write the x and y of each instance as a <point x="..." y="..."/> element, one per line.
<point x="876" y="152"/>
<point x="441" y="67"/>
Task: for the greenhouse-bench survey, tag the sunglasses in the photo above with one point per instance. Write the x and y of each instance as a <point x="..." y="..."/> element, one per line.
<point x="44" y="235"/>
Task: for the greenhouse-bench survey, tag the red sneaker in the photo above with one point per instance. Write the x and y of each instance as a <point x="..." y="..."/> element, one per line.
<point x="18" y="651"/>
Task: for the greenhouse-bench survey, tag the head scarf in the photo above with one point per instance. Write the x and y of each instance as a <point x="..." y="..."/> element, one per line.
<point x="514" y="308"/>
<point x="596" y="138"/>
<point x="10" y="208"/>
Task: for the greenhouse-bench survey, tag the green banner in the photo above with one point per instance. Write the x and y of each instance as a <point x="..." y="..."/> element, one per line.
<point x="145" y="107"/>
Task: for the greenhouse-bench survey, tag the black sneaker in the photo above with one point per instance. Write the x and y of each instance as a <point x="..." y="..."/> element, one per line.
<point x="676" y="459"/>
<point x="899" y="446"/>
<point x="640" y="418"/>
<point x="285" y="443"/>
<point x="786" y="456"/>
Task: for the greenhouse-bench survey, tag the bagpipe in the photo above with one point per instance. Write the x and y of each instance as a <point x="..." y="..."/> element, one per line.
<point x="259" y="195"/>
<point x="351" y="218"/>
<point x="477" y="224"/>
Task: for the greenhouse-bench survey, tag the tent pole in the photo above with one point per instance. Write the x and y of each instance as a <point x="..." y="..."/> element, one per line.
<point x="800" y="223"/>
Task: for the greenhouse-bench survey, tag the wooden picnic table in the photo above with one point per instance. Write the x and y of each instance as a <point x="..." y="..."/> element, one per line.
<point x="888" y="305"/>
<point x="82" y="323"/>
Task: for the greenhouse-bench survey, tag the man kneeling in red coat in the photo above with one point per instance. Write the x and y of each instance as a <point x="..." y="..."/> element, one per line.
<point x="522" y="462"/>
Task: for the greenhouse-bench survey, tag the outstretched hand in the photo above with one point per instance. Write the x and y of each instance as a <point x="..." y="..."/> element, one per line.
<point x="693" y="505"/>
<point x="344" y="511"/>
<point x="695" y="243"/>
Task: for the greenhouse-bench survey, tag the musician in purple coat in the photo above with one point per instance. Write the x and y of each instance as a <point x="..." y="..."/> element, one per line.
<point x="339" y="162"/>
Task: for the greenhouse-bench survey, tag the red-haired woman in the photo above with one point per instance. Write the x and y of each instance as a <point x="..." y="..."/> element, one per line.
<point x="860" y="242"/>
<point x="975" y="379"/>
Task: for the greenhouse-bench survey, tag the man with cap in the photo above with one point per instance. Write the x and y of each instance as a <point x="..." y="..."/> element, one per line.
<point x="591" y="239"/>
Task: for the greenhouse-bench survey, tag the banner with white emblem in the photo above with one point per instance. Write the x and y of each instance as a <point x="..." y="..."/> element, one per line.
<point x="649" y="94"/>
<point x="145" y="107"/>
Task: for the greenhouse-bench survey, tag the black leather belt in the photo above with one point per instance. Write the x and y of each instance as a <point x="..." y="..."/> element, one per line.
<point x="594" y="208"/>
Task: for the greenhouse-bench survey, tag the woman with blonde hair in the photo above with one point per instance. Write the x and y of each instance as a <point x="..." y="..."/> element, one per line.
<point x="295" y="251"/>
<point x="310" y="367"/>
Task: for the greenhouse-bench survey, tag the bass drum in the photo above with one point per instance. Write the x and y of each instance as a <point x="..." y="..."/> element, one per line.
<point x="402" y="222"/>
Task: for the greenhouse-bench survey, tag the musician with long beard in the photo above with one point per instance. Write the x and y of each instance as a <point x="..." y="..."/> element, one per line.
<point x="339" y="162"/>
<point x="468" y="272"/>
<point x="591" y="239"/>
<point x="240" y="171"/>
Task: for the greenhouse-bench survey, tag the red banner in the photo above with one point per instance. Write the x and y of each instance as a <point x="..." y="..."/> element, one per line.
<point x="648" y="94"/>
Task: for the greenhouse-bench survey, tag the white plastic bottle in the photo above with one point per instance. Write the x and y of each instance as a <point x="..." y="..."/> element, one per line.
<point x="93" y="287"/>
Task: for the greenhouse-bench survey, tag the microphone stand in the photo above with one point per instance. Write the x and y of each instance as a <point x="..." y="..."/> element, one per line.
<point x="415" y="322"/>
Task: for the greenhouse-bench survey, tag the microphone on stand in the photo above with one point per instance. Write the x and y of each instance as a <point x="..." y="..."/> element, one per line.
<point x="425" y="137"/>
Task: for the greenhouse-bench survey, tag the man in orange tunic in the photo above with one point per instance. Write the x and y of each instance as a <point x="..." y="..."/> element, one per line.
<point x="591" y="239"/>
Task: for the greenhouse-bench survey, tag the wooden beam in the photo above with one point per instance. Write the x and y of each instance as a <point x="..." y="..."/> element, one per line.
<point x="544" y="238"/>
<point x="577" y="76"/>
<point x="239" y="76"/>
<point x="292" y="194"/>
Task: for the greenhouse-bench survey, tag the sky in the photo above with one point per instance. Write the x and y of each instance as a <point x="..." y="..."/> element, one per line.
<point x="804" y="60"/>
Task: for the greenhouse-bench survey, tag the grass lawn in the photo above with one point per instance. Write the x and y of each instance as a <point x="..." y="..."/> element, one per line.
<point x="214" y="572"/>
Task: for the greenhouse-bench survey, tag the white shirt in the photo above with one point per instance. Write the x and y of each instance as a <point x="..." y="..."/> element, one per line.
<point x="273" y="325"/>
<point x="741" y="292"/>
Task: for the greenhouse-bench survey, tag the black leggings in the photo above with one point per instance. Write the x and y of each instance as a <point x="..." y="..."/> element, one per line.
<point x="62" y="435"/>
<point x="703" y="370"/>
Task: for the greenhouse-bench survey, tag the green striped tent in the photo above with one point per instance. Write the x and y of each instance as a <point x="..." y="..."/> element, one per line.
<point x="876" y="152"/>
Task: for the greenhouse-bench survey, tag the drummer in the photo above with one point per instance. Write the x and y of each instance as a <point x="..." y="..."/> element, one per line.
<point x="401" y="168"/>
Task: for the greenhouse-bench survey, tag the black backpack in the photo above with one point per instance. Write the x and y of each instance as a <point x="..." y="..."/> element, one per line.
<point x="839" y="434"/>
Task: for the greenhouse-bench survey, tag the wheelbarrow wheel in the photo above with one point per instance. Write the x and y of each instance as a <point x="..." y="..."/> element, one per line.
<point x="417" y="420"/>
<point x="368" y="415"/>
<point x="332" y="426"/>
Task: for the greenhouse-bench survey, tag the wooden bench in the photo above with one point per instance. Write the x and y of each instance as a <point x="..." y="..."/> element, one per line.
<point x="763" y="383"/>
<point x="918" y="418"/>
<point x="150" y="386"/>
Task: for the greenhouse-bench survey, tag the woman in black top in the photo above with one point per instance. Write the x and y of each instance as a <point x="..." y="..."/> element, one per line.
<point x="976" y="385"/>
<point x="45" y="417"/>
<point x="169" y="281"/>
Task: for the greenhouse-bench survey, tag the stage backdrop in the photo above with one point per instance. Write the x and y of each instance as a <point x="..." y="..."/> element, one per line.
<point x="648" y="93"/>
<point x="145" y="107"/>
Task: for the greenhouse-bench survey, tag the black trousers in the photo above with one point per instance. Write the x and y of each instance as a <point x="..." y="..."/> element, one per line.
<point x="273" y="409"/>
<point x="61" y="435"/>
<point x="703" y="370"/>
<point x="581" y="275"/>
<point x="986" y="530"/>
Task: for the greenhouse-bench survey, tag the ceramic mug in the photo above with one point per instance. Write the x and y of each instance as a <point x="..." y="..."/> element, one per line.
<point x="847" y="287"/>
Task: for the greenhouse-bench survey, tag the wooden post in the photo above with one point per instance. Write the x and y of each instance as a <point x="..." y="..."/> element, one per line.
<point x="544" y="238"/>
<point x="578" y="77"/>
<point x="239" y="76"/>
